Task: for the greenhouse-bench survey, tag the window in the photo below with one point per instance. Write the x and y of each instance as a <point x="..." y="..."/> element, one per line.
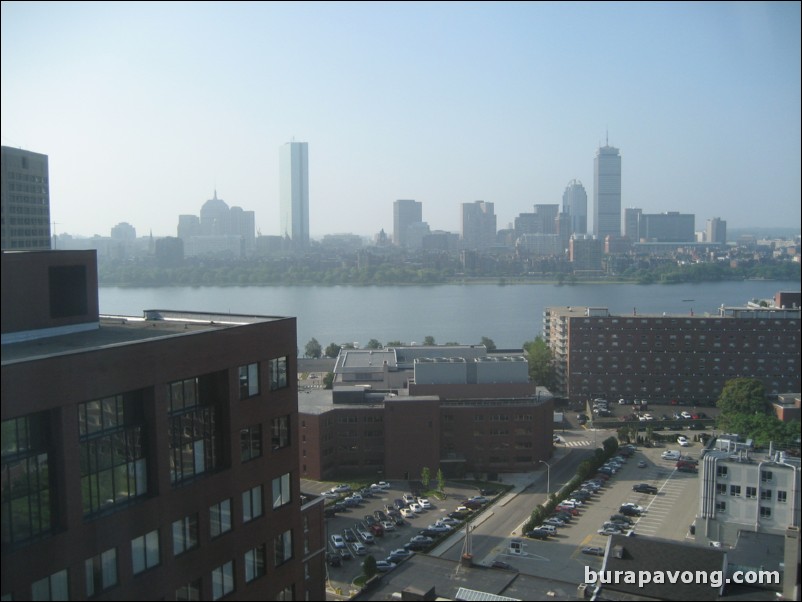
<point x="721" y="488"/>
<point x="283" y="547"/>
<point x="721" y="506"/>
<point x="27" y="491"/>
<point x="721" y="471"/>
<point x="252" y="504"/>
<point x="190" y="591"/>
<point x="223" y="580"/>
<point x="280" y="432"/>
<point x="248" y="381"/>
<point x="278" y="373"/>
<point x="765" y="512"/>
<point x="250" y="442"/>
<point x="282" y="492"/>
<point x="194" y="431"/>
<point x="765" y="494"/>
<point x="254" y="563"/>
<point x="751" y="492"/>
<point x="220" y="518"/>
<point x="53" y="587"/>
<point x="113" y="463"/>
<point x="735" y="490"/>
<point x="766" y="476"/>
<point x="782" y="496"/>
<point x="101" y="572"/>
<point x="145" y="551"/>
<point x="185" y="534"/>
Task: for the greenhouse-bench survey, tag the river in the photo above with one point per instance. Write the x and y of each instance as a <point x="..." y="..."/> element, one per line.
<point x="508" y="314"/>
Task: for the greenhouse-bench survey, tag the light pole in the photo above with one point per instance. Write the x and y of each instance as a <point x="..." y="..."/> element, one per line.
<point x="548" y="477"/>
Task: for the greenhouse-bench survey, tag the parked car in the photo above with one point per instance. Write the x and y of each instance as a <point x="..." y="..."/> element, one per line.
<point x="365" y="536"/>
<point x="407" y="513"/>
<point x="683" y="441"/>
<point x="620" y="518"/>
<point x="370" y="520"/>
<point x="670" y="454"/>
<point x="634" y="506"/>
<point x="401" y="553"/>
<point x="642" y="464"/>
<point x="554" y="521"/>
<point x="388" y="525"/>
<point x="609" y="531"/>
<point x="408" y="498"/>
<point x="416" y="508"/>
<point x="439" y="528"/>
<point x="645" y="488"/>
<point x="383" y="566"/>
<point x="399" y="503"/>
<point x="337" y="541"/>
<point x="424" y="503"/>
<point x="341" y="488"/>
<point x="489" y="492"/>
<point x="349" y="535"/>
<point x="359" y="549"/>
<point x="345" y="553"/>
<point x="334" y="559"/>
<point x="498" y="564"/>
<point x="376" y="530"/>
<point x="686" y="415"/>
<point x="538" y="534"/>
<point x="593" y="550"/>
<point x="381" y="485"/>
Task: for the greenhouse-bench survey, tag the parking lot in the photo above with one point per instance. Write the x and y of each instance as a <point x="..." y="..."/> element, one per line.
<point x="341" y="577"/>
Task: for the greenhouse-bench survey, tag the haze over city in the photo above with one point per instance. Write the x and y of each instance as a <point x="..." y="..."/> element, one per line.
<point x="145" y="110"/>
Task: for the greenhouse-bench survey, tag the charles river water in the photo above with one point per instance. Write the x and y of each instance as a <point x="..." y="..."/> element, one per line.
<point x="507" y="314"/>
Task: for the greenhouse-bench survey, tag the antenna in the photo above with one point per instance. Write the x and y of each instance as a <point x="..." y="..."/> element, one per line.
<point x="55" y="238"/>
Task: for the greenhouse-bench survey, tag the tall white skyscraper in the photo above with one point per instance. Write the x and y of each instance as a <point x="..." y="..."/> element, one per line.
<point x="294" y="192"/>
<point x="575" y="204"/>
<point x="607" y="192"/>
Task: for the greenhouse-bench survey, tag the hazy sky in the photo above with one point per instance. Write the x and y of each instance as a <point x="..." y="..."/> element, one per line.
<point x="145" y="108"/>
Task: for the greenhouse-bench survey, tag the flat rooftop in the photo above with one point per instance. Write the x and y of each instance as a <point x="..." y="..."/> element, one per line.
<point x="113" y="331"/>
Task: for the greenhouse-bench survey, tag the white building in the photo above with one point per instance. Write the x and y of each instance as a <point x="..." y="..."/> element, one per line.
<point x="575" y="204"/>
<point x="607" y="192"/>
<point x="294" y="192"/>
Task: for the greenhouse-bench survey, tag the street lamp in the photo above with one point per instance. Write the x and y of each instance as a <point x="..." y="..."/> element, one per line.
<point x="548" y="477"/>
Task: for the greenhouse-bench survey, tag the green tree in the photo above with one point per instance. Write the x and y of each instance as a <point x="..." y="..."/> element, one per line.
<point x="425" y="477"/>
<point x="743" y="396"/>
<point x="373" y="344"/>
<point x="610" y="446"/>
<point x="441" y="480"/>
<point x="328" y="380"/>
<point x="541" y="365"/>
<point x="369" y="566"/>
<point x="429" y="341"/>
<point x="395" y="344"/>
<point x="333" y="350"/>
<point x="313" y="349"/>
<point x="488" y="342"/>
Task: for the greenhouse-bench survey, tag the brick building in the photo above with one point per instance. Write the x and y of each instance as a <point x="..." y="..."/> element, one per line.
<point x="147" y="458"/>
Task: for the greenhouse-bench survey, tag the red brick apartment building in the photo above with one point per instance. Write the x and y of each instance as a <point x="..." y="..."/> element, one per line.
<point x="147" y="458"/>
<point x="668" y="357"/>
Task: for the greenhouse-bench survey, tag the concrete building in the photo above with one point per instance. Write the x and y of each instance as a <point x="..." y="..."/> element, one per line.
<point x="541" y="245"/>
<point x="607" y="192"/>
<point x="667" y="227"/>
<point x="716" y="230"/>
<point x="660" y="358"/>
<point x="150" y="457"/>
<point x="478" y="225"/>
<point x="585" y="253"/>
<point x="406" y="212"/>
<point x="24" y="200"/>
<point x="294" y="193"/>
<point x="575" y="204"/>
<point x="632" y="223"/>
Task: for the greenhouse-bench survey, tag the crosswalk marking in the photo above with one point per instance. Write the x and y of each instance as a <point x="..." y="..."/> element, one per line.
<point x="582" y="443"/>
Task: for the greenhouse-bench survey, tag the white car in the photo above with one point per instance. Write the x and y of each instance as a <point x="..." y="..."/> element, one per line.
<point x="388" y="525"/>
<point x="383" y="484"/>
<point x="670" y="455"/>
<point x="359" y="549"/>
<point x="424" y="503"/>
<point x="408" y="498"/>
<point x="683" y="441"/>
<point x="686" y="415"/>
<point x="407" y="513"/>
<point x="416" y="508"/>
<point x="337" y="541"/>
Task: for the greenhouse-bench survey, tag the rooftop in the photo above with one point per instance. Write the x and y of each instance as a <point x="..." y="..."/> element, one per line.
<point x="112" y="331"/>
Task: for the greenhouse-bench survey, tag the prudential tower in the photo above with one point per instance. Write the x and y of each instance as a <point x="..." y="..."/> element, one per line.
<point x="607" y="192"/>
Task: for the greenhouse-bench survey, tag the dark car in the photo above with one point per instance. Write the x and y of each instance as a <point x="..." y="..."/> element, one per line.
<point x="349" y="535"/>
<point x="489" y="492"/>
<point x="334" y="559"/>
<point x="380" y="516"/>
<point x="430" y="533"/>
<point x="498" y="564"/>
<point x="538" y="534"/>
<point x="645" y="488"/>
<point x="620" y="518"/>
<point x="399" y="503"/>
<point x="370" y="520"/>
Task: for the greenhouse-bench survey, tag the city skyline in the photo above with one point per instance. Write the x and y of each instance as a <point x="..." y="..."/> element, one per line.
<point x="442" y="103"/>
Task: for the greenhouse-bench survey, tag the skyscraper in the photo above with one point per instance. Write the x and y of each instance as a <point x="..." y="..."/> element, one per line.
<point x="607" y="192"/>
<point x="478" y="225"/>
<point x="717" y="230"/>
<point x="294" y="193"/>
<point x="25" y="200"/>
<point x="575" y="204"/>
<point x="405" y="213"/>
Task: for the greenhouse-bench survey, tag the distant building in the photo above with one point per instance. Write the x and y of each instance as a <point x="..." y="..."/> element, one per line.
<point x="717" y="230"/>
<point x="478" y="225"/>
<point x="665" y="357"/>
<point x="607" y="192"/>
<point x="406" y="212"/>
<point x="148" y="458"/>
<point x="169" y="251"/>
<point x="632" y="217"/>
<point x="541" y="245"/>
<point x="294" y="193"/>
<point x="667" y="227"/>
<point x="220" y="230"/>
<point x="123" y="231"/>
<point x="585" y="253"/>
<point x="575" y="204"/>
<point x="24" y="200"/>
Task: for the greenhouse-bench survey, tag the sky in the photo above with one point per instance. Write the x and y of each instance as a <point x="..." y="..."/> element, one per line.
<point x="145" y="109"/>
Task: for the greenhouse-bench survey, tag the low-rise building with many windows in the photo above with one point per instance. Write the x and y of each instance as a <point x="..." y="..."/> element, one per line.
<point x="147" y="457"/>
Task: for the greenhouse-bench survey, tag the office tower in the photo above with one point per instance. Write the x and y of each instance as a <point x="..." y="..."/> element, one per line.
<point x="632" y="217"/>
<point x="671" y="226"/>
<point x="607" y="192"/>
<point x="546" y="215"/>
<point x="575" y="204"/>
<point x="405" y="213"/>
<point x="585" y="253"/>
<point x="148" y="457"/>
<point x="294" y="193"/>
<point x="24" y="200"/>
<point x="478" y="225"/>
<point x="717" y="230"/>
